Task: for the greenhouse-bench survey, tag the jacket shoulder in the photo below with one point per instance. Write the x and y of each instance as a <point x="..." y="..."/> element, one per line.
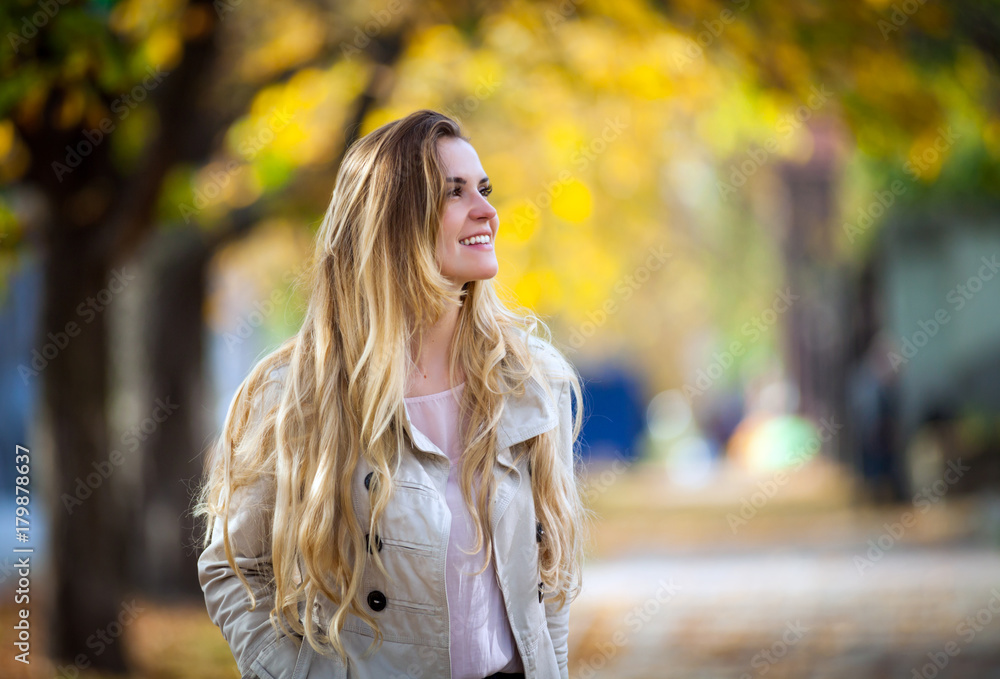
<point x="551" y="365"/>
<point x="552" y="362"/>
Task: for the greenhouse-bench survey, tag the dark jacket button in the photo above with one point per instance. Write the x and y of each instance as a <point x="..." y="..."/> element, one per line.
<point x="376" y="600"/>
<point x="368" y="480"/>
<point x="378" y="542"/>
<point x="539" y="531"/>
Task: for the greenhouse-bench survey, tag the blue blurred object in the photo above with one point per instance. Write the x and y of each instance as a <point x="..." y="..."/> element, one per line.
<point x="18" y="324"/>
<point x="19" y="311"/>
<point x="614" y="412"/>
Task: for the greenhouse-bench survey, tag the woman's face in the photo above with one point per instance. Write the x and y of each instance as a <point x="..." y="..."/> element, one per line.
<point x="467" y="214"/>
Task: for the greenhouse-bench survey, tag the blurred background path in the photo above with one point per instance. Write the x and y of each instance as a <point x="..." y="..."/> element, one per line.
<point x="796" y="592"/>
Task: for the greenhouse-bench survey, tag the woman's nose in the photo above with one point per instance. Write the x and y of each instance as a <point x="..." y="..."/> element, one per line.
<point x="483" y="209"/>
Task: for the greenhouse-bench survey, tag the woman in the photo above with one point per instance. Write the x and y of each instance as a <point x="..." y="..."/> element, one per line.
<point x="394" y="492"/>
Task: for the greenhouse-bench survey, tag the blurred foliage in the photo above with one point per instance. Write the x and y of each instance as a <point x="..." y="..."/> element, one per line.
<point x="608" y="128"/>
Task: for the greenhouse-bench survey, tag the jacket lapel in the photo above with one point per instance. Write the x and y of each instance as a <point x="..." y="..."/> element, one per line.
<point x="530" y="414"/>
<point x="523" y="417"/>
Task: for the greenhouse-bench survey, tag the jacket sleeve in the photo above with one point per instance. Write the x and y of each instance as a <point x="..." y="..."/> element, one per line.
<point x="247" y="632"/>
<point x="558" y="618"/>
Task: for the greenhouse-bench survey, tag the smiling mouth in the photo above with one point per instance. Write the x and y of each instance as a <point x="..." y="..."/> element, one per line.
<point x="477" y="240"/>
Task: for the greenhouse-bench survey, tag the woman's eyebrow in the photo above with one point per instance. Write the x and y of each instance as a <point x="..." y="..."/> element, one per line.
<point x="459" y="180"/>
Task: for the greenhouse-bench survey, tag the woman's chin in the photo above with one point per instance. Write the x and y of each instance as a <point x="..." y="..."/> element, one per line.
<point x="478" y="274"/>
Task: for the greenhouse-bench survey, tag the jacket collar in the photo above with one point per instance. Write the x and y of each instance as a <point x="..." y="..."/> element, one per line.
<point x="523" y="417"/>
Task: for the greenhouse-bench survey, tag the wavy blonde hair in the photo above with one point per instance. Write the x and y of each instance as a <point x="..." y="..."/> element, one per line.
<point x="374" y="285"/>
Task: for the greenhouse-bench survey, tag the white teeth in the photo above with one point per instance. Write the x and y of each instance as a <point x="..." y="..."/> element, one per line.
<point x="475" y="239"/>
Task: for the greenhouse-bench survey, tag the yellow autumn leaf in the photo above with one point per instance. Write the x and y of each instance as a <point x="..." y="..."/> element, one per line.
<point x="163" y="47"/>
<point x="572" y="201"/>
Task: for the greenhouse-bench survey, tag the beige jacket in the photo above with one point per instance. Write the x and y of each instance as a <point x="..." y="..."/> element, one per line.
<point x="411" y="607"/>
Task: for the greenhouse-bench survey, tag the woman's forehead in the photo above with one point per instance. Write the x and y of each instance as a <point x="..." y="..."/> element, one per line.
<point x="459" y="158"/>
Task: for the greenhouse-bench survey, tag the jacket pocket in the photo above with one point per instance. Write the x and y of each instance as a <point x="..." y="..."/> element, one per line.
<point x="418" y="487"/>
<point x="408" y="547"/>
<point x="327" y="667"/>
<point x="412" y="607"/>
<point x="284" y="658"/>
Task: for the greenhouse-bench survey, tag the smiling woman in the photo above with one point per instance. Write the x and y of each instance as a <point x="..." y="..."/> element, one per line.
<point x="394" y="491"/>
<point x="469" y="223"/>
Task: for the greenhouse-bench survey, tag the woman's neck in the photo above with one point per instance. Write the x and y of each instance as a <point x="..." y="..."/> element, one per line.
<point x="431" y="375"/>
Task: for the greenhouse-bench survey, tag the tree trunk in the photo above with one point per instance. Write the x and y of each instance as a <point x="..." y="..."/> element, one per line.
<point x="814" y="342"/>
<point x="87" y="522"/>
<point x="173" y="332"/>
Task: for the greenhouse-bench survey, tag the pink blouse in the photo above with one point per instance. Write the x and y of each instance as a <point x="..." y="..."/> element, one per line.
<point x="481" y="639"/>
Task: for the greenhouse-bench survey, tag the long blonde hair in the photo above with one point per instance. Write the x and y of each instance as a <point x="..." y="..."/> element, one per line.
<point x="374" y="286"/>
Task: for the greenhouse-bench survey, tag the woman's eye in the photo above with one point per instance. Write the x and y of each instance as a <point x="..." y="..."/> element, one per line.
<point x="457" y="191"/>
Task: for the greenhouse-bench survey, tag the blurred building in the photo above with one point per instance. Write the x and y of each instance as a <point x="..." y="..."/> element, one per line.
<point x="925" y="377"/>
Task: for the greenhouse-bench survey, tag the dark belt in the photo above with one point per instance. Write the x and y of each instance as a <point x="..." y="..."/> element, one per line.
<point x="507" y="675"/>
